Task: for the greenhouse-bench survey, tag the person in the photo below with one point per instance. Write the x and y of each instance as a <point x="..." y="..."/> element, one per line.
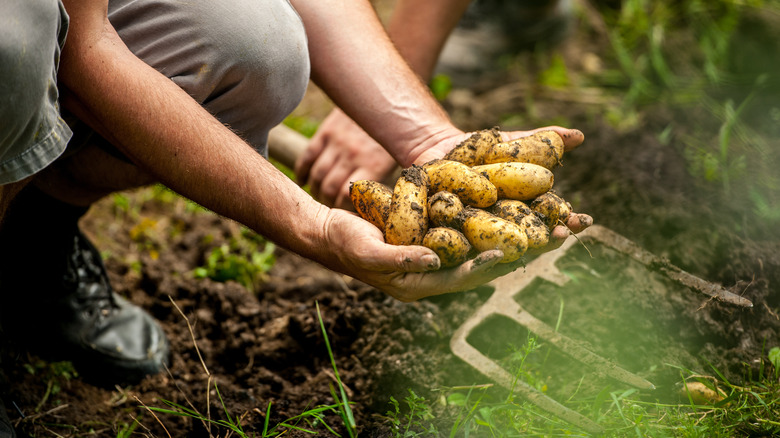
<point x="341" y="151"/>
<point x="184" y="94"/>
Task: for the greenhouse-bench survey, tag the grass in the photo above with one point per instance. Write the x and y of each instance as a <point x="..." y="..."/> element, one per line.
<point x="487" y="411"/>
<point x="310" y="421"/>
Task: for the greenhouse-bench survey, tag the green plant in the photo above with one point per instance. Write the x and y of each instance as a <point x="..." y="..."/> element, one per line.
<point x="343" y="407"/>
<point x="440" y="86"/>
<point x="307" y="422"/>
<point x="311" y="418"/>
<point x="414" y="422"/>
<point x="55" y="374"/>
<point x="774" y="358"/>
<point x="241" y="260"/>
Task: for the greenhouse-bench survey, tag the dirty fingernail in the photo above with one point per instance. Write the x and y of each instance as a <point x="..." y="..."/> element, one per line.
<point x="585" y="220"/>
<point x="485" y="257"/>
<point x="431" y="262"/>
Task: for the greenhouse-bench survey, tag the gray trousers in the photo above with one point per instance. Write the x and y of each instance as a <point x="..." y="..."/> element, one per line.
<point x="32" y="134"/>
<point x="245" y="61"/>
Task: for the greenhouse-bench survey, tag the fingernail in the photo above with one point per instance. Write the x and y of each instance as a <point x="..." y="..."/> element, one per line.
<point x="483" y="258"/>
<point x="431" y="262"/>
<point x="586" y="220"/>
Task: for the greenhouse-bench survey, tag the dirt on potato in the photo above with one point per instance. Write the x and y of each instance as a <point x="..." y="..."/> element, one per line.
<point x="265" y="346"/>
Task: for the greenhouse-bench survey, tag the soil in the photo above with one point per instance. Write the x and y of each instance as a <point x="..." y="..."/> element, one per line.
<point x="265" y="347"/>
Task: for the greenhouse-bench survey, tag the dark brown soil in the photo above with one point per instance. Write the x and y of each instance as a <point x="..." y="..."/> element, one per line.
<point x="267" y="348"/>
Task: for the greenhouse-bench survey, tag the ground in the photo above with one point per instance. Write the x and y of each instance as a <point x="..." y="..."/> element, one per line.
<point x="265" y="347"/>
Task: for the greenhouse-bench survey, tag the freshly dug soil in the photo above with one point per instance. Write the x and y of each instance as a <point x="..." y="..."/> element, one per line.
<point x="265" y="347"/>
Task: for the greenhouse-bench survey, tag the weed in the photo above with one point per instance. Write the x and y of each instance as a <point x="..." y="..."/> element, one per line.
<point x="241" y="260"/>
<point x="416" y="422"/>
<point x="55" y="374"/>
<point x="344" y="409"/>
<point x="308" y="421"/>
<point x="440" y="86"/>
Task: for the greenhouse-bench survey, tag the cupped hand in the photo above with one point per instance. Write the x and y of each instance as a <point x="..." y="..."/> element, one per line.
<point x="410" y="273"/>
<point x="341" y="152"/>
<point x="571" y="139"/>
<point x="407" y="273"/>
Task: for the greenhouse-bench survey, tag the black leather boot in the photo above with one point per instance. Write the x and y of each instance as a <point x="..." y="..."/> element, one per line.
<point x="55" y="298"/>
<point x="6" y="429"/>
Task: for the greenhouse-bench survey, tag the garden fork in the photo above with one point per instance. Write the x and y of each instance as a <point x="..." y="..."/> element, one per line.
<point x="502" y="303"/>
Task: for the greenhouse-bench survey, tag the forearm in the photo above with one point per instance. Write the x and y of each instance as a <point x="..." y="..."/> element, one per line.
<point x="355" y="62"/>
<point x="419" y="30"/>
<point x="165" y="132"/>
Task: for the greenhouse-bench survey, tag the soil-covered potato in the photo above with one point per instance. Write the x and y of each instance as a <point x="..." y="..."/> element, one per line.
<point x="450" y="245"/>
<point x="521" y="181"/>
<point x="371" y="200"/>
<point x="486" y="231"/>
<point x="554" y="209"/>
<point x="518" y="212"/>
<point x="472" y="150"/>
<point x="407" y="219"/>
<point x="544" y="148"/>
<point x="471" y="187"/>
<point x="443" y="209"/>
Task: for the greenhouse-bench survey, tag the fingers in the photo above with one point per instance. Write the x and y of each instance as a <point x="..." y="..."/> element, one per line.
<point x="304" y="163"/>
<point x="413" y="286"/>
<point x="576" y="223"/>
<point x="571" y="137"/>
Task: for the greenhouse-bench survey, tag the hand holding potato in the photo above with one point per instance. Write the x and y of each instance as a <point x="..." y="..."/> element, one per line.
<point x="488" y="200"/>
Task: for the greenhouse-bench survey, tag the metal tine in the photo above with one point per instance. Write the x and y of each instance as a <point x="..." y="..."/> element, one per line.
<point x="461" y="348"/>
<point x="502" y="303"/>
<point x="631" y="249"/>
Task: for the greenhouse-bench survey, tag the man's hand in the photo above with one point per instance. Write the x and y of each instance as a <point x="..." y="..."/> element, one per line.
<point x="410" y="273"/>
<point x="571" y="139"/>
<point x="339" y="153"/>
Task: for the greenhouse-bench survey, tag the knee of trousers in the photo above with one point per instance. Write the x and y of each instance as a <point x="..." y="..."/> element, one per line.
<point x="246" y="61"/>
<point x="30" y="39"/>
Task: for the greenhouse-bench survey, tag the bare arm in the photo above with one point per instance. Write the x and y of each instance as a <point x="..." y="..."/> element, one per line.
<point x="356" y="64"/>
<point x="341" y="151"/>
<point x="419" y="30"/>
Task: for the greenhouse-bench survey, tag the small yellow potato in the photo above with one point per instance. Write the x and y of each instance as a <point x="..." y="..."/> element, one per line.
<point x="518" y="212"/>
<point x="471" y="151"/>
<point x="486" y="231"/>
<point x="544" y="148"/>
<point x="700" y="393"/>
<point x="371" y="200"/>
<point x="443" y="209"/>
<point x="450" y="245"/>
<point x="407" y="220"/>
<point x="470" y="186"/>
<point x="521" y="181"/>
<point x="554" y="209"/>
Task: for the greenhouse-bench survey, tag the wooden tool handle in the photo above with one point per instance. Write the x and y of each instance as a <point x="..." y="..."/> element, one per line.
<point x="286" y="145"/>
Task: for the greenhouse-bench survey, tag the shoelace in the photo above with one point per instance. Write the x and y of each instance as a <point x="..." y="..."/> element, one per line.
<point x="85" y="276"/>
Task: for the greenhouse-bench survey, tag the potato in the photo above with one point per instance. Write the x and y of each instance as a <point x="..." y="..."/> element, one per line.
<point x="518" y="212"/>
<point x="407" y="218"/>
<point x="700" y="393"/>
<point x="485" y="232"/>
<point x="450" y="245"/>
<point x="472" y="150"/>
<point x="544" y="148"/>
<point x="554" y="209"/>
<point x="521" y="181"/>
<point x="371" y="200"/>
<point x="443" y="209"/>
<point x="470" y="186"/>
